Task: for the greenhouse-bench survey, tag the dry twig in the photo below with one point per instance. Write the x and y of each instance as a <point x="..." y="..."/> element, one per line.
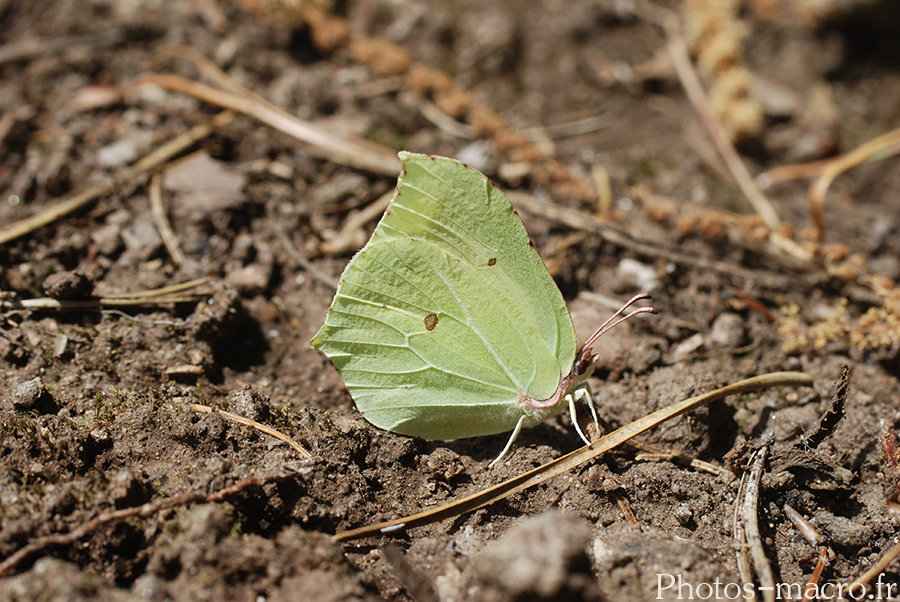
<point x="786" y="173"/>
<point x="580" y="220"/>
<point x="826" y="424"/>
<point x="204" y="66"/>
<point x="587" y="453"/>
<point x="367" y="156"/>
<point x="624" y="506"/>
<point x="746" y="526"/>
<point x="577" y="127"/>
<point x="690" y="81"/>
<point x="254" y="424"/>
<point x="809" y="533"/>
<point x="812" y="585"/>
<point x="162" y="221"/>
<point x="826" y="170"/>
<point x="814" y="538"/>
<point x="344" y="240"/>
<point x="875" y="569"/>
<point x="884" y="145"/>
<point x="178" y="293"/>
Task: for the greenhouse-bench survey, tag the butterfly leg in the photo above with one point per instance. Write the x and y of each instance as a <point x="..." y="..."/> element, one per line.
<point x="571" y="399"/>
<point x="584" y="394"/>
<point x="509" y="443"/>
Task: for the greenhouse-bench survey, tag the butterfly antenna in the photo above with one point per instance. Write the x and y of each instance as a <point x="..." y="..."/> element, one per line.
<point x="586" y="355"/>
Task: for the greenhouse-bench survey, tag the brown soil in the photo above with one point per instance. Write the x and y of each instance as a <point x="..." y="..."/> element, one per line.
<point x="110" y="425"/>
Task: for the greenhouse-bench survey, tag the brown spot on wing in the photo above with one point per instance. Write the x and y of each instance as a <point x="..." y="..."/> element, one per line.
<point x="492" y="261"/>
<point x="431" y="322"/>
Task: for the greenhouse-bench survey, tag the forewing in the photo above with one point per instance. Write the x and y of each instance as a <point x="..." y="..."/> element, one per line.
<point x="459" y="210"/>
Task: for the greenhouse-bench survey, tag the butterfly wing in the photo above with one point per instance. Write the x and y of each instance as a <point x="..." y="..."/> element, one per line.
<point x="447" y="317"/>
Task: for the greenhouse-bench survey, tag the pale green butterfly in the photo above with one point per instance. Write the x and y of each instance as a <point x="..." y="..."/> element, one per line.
<point x="447" y="324"/>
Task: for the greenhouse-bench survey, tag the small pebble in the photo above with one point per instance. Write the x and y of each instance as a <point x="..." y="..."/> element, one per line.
<point x="250" y="280"/>
<point x="108" y="239"/>
<point x="536" y="559"/>
<point x="727" y="331"/>
<point x="444" y="463"/>
<point x="844" y="532"/>
<point x="687" y="347"/>
<point x="141" y="239"/>
<point x="118" y="154"/>
<point x="150" y="587"/>
<point x="127" y="490"/>
<point x="100" y="435"/>
<point x="68" y="285"/>
<point x="250" y="404"/>
<point x="475" y="154"/>
<point x="28" y="393"/>
<point x="683" y="514"/>
<point x="637" y="275"/>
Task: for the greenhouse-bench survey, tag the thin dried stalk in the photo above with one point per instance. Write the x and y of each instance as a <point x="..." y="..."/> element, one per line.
<point x="369" y="156"/>
<point x="162" y="221"/>
<point x="257" y="425"/>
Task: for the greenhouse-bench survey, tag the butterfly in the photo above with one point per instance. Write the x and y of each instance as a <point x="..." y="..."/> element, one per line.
<point x="447" y="324"/>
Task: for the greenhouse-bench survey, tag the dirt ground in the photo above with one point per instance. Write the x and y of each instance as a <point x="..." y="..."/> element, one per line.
<point x="586" y="93"/>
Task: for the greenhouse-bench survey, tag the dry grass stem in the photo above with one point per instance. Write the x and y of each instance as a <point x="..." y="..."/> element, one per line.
<point x="366" y="156"/>
<point x="162" y="221"/>
<point x="254" y="424"/>
<point x="345" y="239"/>
<point x="746" y="526"/>
<point x="690" y="81"/>
<point x="882" y="146"/>
<point x="169" y="295"/>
